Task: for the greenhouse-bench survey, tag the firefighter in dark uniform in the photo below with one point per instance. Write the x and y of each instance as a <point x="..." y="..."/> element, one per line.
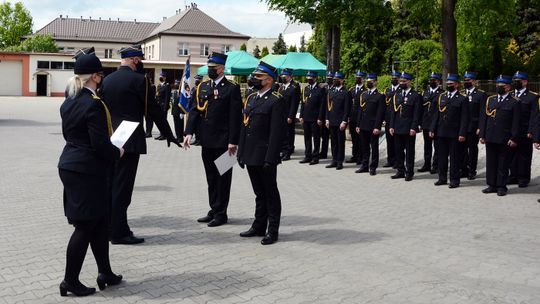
<point x="149" y="124"/>
<point x="428" y="109"/>
<point x="128" y="96"/>
<point x="177" y="111"/>
<point x="449" y="127"/>
<point x="338" y="107"/>
<point x="390" y="143"/>
<point x="250" y="89"/>
<point x="192" y="99"/>
<point x="499" y="131"/>
<point x="370" y="117"/>
<point x="163" y="98"/>
<point x="261" y="138"/>
<point x="325" y="133"/>
<point x="311" y="112"/>
<point x="404" y="123"/>
<point x="217" y="116"/>
<point x="84" y="167"/>
<point x="520" y="170"/>
<point x="477" y="102"/>
<point x="290" y="90"/>
<point x="355" y="93"/>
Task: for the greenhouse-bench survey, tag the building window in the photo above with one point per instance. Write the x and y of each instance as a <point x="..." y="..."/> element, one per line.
<point x="183" y="49"/>
<point x="57" y="65"/>
<point x="204" y="49"/>
<point x="225" y="48"/>
<point x="43" y="65"/>
<point x="152" y="51"/>
<point x="108" y="53"/>
<point x="69" y="65"/>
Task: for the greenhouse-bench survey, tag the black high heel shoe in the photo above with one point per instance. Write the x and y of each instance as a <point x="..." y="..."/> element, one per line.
<point x="77" y="289"/>
<point x="108" y="279"/>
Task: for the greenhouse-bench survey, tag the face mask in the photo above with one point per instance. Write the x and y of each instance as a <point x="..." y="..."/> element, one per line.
<point x="160" y="79"/>
<point x="257" y="84"/>
<point x="359" y="81"/>
<point x="450" y="88"/>
<point x="212" y="73"/>
<point x="500" y="90"/>
<point x="370" y="85"/>
<point x="337" y="83"/>
<point x="394" y="82"/>
<point x="433" y="84"/>
<point x="403" y="86"/>
<point x="467" y="85"/>
<point x="311" y="81"/>
<point x="518" y="85"/>
<point x="329" y="81"/>
<point x="139" y="67"/>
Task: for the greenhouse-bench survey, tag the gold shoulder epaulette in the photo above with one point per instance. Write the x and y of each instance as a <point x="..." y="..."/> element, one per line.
<point x="277" y="94"/>
<point x="232" y="81"/>
<point x="95" y="97"/>
<point x="534" y="93"/>
<point x="479" y="90"/>
<point x="492" y="96"/>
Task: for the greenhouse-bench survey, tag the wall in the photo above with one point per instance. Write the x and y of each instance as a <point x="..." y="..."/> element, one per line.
<point x="99" y="46"/>
<point x="24" y="58"/>
<point x="170" y="46"/>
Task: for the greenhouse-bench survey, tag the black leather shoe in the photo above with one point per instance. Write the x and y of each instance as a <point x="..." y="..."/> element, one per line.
<point x="423" y="169"/>
<point x="471" y="176"/>
<point x="269" y="239"/>
<point x="217" y="222"/>
<point x="252" y="232"/>
<point x="501" y="192"/>
<point x="351" y="160"/>
<point x="513" y="181"/>
<point x="205" y="219"/>
<point x="408" y="178"/>
<point x="127" y="240"/>
<point x="305" y="161"/>
<point x="433" y="171"/>
<point x="148" y="135"/>
<point x="452" y="186"/>
<point x="440" y="183"/>
<point x="489" y="190"/>
<point x="77" y="289"/>
<point x="372" y="172"/>
<point x="339" y="166"/>
<point x="314" y="162"/>
<point x="397" y="175"/>
<point x="523" y="185"/>
<point x="161" y="137"/>
<point x="331" y="165"/>
<point x="362" y="170"/>
<point x="538" y="200"/>
<point x="103" y="280"/>
<point x="388" y="165"/>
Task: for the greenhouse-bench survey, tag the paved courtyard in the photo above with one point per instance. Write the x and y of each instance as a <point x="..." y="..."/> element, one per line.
<point x="345" y="237"/>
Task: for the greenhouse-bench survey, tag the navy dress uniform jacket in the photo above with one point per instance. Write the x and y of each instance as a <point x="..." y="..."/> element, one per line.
<point x="217" y="118"/>
<point x="371" y="110"/>
<point x="313" y="102"/>
<point x="163" y="95"/>
<point x="429" y="106"/>
<point x="451" y="117"/>
<point x="261" y="135"/>
<point x="291" y="96"/>
<point x="500" y="120"/>
<point x="477" y="103"/>
<point x="128" y="95"/>
<point x="355" y="99"/>
<point x="527" y="102"/>
<point x="405" y="115"/>
<point x="338" y="106"/>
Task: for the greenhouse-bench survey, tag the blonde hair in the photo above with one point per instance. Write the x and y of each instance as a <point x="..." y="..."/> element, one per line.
<point x="76" y="83"/>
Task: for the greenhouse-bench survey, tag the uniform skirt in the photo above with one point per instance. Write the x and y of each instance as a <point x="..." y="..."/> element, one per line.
<point x="86" y="196"/>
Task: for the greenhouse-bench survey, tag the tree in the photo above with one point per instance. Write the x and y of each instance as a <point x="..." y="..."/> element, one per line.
<point x="15" y="22"/>
<point x="449" y="38"/>
<point x="302" y="48"/>
<point x="528" y="36"/>
<point x="264" y="52"/>
<point x="243" y="47"/>
<point x="39" y="43"/>
<point x="292" y="48"/>
<point x="279" y="46"/>
<point x="257" y="52"/>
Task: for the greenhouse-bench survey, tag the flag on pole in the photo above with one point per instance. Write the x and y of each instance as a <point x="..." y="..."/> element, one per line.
<point x="185" y="91"/>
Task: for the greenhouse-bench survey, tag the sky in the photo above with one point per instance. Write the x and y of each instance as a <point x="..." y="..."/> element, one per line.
<point x="249" y="17"/>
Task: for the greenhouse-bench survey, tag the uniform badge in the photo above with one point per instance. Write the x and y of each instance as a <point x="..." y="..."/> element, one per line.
<point x="470" y="98"/>
<point x="216" y="94"/>
<point x="406" y="99"/>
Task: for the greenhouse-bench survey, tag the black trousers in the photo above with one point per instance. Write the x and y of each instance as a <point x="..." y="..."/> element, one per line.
<point x="356" y="142"/>
<point x="125" y="171"/>
<point x="178" y="127"/>
<point x="267" y="198"/>
<point x="405" y="148"/>
<point x="429" y="146"/>
<point x="149" y="125"/>
<point x="93" y="233"/>
<point x="219" y="187"/>
<point x="520" y="169"/>
<point x="369" y="142"/>
<point x="288" y="144"/>
<point x="498" y="160"/>
<point x="449" y="147"/>
<point x="325" y="137"/>
<point x="338" y="144"/>
<point x="390" y="146"/>
<point x="312" y="139"/>
<point x="470" y="155"/>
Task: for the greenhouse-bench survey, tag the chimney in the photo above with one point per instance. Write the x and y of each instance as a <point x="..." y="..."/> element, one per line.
<point x="118" y="20"/>
<point x="135" y="20"/>
<point x="99" y="18"/>
<point x="109" y="18"/>
<point x="90" y="18"/>
<point x="60" y="16"/>
<point x="164" y="18"/>
<point x="81" y="18"/>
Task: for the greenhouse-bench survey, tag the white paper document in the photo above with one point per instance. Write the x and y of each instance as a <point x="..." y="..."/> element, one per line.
<point x="225" y="162"/>
<point x="123" y="133"/>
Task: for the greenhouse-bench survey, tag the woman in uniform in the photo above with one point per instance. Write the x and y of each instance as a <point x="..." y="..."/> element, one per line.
<point x="84" y="168"/>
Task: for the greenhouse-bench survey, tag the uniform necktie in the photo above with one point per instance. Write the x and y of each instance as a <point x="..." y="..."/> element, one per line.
<point x="500" y="99"/>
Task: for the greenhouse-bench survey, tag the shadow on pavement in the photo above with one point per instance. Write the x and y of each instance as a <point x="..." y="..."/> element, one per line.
<point x="152" y="188"/>
<point x="332" y="236"/>
<point x="26" y="123"/>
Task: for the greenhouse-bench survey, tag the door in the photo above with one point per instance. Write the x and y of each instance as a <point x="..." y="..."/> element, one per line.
<point x="41" y="85"/>
<point x="11" y="78"/>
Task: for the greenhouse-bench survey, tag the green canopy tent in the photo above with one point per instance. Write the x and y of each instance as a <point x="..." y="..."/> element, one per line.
<point x="301" y="63"/>
<point x="238" y="63"/>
